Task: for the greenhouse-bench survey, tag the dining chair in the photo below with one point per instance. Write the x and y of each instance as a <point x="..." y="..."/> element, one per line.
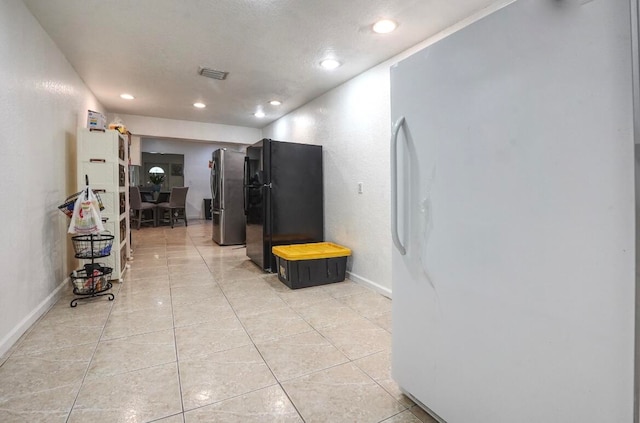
<point x="139" y="207"/>
<point x="163" y="197"/>
<point x="176" y="206"/>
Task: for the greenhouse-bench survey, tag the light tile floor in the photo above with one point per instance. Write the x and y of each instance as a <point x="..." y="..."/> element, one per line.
<point x="198" y="333"/>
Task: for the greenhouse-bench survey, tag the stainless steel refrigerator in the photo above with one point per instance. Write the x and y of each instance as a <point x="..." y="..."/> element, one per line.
<point x="514" y="266"/>
<point x="283" y="191"/>
<point x="227" y="213"/>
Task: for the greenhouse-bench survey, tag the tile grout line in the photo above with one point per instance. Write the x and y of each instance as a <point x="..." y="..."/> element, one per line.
<point x="262" y="357"/>
<point x="174" y="332"/>
<point x="211" y="266"/>
<point x="175" y="345"/>
<point x="181" y="413"/>
<point x="175" y="340"/>
<point x="278" y="382"/>
<point x="86" y="372"/>
<point x="350" y="360"/>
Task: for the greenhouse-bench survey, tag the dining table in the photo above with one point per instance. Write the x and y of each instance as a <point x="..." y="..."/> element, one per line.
<point x="151" y="197"/>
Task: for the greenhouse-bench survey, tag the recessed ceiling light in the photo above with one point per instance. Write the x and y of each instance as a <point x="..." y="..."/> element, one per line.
<point x="199" y="105"/>
<point x="330" y="63"/>
<point x="275" y="102"/>
<point x="259" y="114"/>
<point x="127" y="96"/>
<point x="384" y="26"/>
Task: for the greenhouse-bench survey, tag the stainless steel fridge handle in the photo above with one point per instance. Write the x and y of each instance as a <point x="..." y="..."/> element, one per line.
<point x="211" y="186"/>
<point x="394" y="186"/>
<point x="245" y="181"/>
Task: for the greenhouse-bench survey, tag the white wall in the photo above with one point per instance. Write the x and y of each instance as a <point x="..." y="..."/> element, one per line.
<point x="151" y="127"/>
<point x="196" y="167"/>
<point x="42" y="102"/>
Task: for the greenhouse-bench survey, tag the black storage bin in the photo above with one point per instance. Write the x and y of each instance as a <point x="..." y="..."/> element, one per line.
<point x="305" y="265"/>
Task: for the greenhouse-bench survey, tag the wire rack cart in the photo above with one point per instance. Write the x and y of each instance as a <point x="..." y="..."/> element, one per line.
<point x="93" y="279"/>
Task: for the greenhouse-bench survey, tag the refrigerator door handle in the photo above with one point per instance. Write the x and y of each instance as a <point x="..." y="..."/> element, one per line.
<point x="394" y="186"/>
<point x="211" y="186"/>
<point x="245" y="181"/>
<point x="215" y="182"/>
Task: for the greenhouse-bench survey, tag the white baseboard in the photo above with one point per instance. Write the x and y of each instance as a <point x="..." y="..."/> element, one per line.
<point x="8" y="341"/>
<point x="382" y="290"/>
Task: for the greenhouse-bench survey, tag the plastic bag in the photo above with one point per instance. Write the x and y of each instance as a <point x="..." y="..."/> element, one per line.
<point x="86" y="217"/>
<point x="118" y="125"/>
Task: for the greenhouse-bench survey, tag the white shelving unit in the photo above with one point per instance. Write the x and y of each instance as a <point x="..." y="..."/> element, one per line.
<point x="103" y="156"/>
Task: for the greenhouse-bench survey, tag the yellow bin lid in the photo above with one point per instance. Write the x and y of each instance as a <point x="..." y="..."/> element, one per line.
<point x="316" y="250"/>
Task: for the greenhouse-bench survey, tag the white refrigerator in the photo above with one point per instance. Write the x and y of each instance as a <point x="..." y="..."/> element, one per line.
<point x="513" y="216"/>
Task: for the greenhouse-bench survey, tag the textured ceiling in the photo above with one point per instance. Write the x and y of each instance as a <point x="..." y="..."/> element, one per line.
<point x="271" y="49"/>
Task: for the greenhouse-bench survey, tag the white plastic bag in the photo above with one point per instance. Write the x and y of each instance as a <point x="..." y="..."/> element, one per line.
<point x="86" y="217"/>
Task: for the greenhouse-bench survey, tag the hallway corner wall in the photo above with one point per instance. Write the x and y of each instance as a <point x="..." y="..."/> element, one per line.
<point x="43" y="103"/>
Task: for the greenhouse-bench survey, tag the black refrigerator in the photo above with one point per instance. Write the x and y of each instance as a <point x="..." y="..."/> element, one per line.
<point x="283" y="193"/>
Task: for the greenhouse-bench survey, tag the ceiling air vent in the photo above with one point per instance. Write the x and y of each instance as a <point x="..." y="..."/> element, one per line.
<point x="212" y="73"/>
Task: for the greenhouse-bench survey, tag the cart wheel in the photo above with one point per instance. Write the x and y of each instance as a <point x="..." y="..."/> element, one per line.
<point x="111" y="297"/>
<point x="74" y="302"/>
